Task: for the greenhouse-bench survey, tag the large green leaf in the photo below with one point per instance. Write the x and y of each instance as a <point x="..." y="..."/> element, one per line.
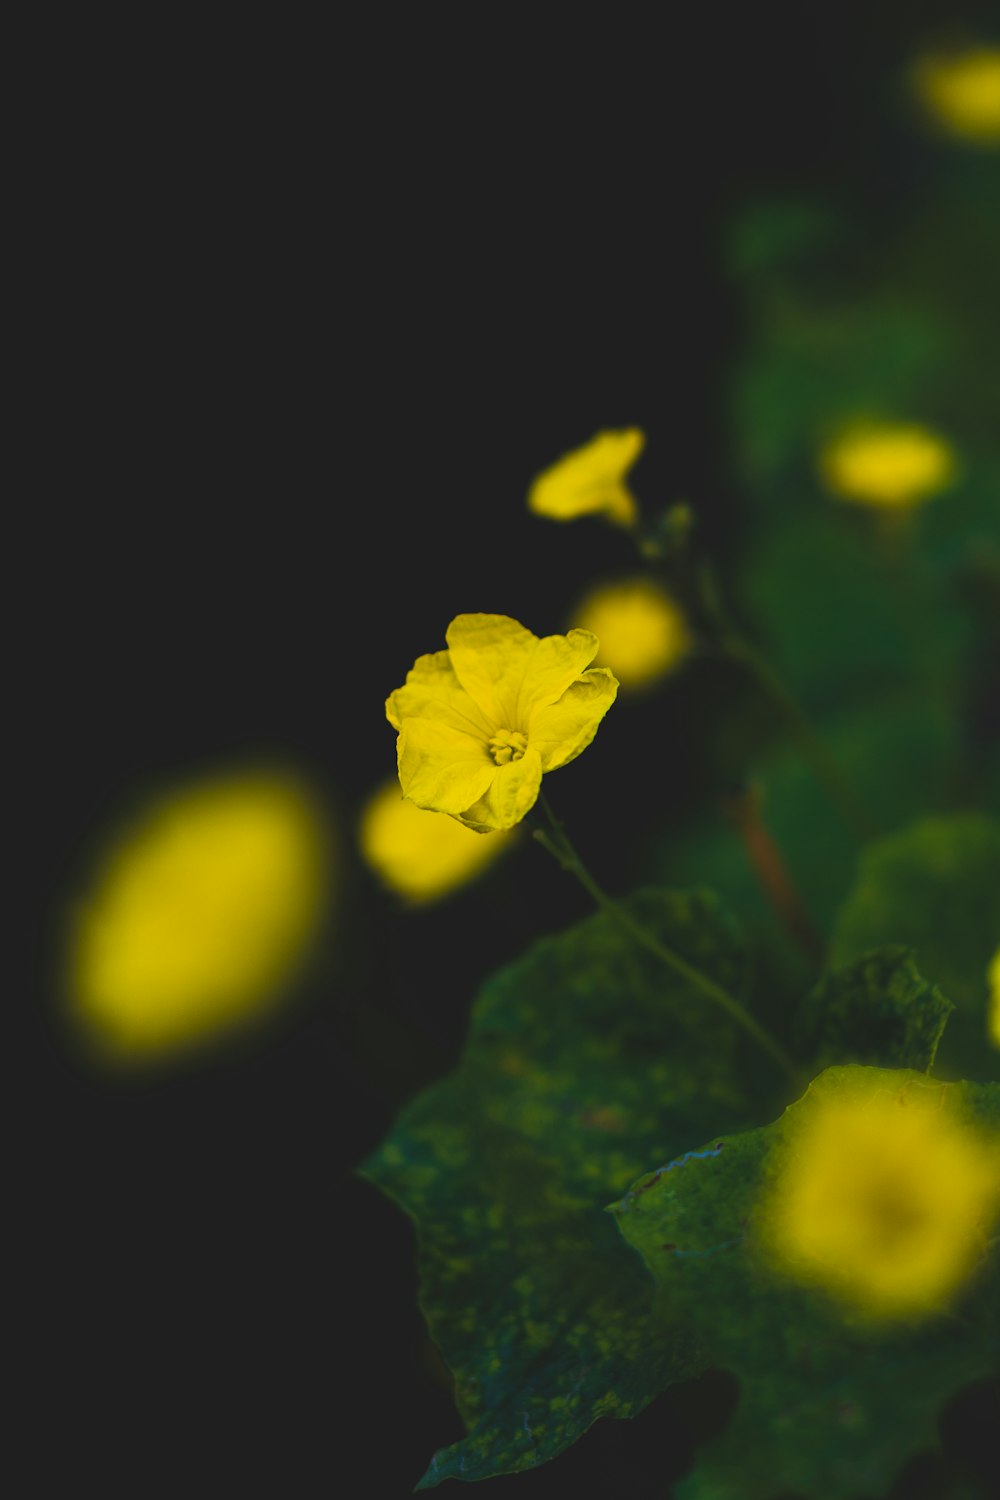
<point x="935" y="887"/>
<point x="584" y="1060"/>
<point x="830" y="1406"/>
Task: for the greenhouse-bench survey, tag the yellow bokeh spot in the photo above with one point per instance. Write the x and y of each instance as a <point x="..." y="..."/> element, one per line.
<point x="887" y="465"/>
<point x="643" y="634"/>
<point x="198" y="915"/>
<point x="961" y="93"/>
<point x="994" y="982"/>
<point x="421" y="855"/>
<point x="883" y="1195"/>
<point x="591" y="480"/>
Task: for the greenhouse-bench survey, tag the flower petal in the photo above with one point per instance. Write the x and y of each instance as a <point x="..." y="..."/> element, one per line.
<point x="510" y="672"/>
<point x="441" y="767"/>
<point x="513" y="793"/>
<point x="591" y="479"/>
<point x="560" y="731"/>
<point x="432" y="691"/>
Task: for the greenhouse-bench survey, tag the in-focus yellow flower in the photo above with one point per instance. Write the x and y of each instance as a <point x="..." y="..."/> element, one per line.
<point x="887" y="465"/>
<point x="882" y="1194"/>
<point x="994" y="980"/>
<point x="961" y="92"/>
<point x="591" y="480"/>
<point x="481" y="722"/>
<point x="421" y="855"/>
<point x="642" y="631"/>
<point x="198" y="916"/>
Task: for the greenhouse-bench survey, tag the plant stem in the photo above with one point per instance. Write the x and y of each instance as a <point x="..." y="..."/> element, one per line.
<point x="743" y="811"/>
<point x="558" y="845"/>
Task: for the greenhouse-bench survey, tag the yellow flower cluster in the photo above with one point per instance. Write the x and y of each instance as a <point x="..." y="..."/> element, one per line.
<point x="198" y="915"/>
<point x="887" y="465"/>
<point x="591" y="480"/>
<point x="480" y="723"/>
<point x="883" y="1195"/>
<point x="961" y="92"/>
<point x="421" y="855"/>
<point x="642" y="631"/>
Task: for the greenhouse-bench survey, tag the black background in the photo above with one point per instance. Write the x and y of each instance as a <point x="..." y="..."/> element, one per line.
<point x="315" y="309"/>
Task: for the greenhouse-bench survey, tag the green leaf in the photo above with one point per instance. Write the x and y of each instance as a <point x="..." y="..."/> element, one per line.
<point x="830" y="1406"/>
<point x="584" y="1060"/>
<point x="935" y="887"/>
<point x="877" y="1010"/>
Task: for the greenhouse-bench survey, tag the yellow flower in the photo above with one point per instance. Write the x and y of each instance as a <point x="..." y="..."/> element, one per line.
<point x="887" y="465"/>
<point x="198" y="915"/>
<point x="421" y="855"/>
<point x="480" y="723"/>
<point x="643" y="633"/>
<point x="883" y="1195"/>
<point x="994" y="979"/>
<point x="591" y="480"/>
<point x="961" y="91"/>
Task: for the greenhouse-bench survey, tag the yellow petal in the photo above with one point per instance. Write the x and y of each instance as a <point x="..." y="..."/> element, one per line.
<point x="884" y="1197"/>
<point x="198" y="915"/>
<point x="961" y="91"/>
<point x="590" y="480"/>
<point x="560" y="731"/>
<point x="421" y="855"/>
<point x="441" y="767"/>
<point x="893" y="465"/>
<point x="432" y="691"/>
<point x="994" y="1016"/>
<point x="510" y="672"/>
<point x="513" y="793"/>
<point x="642" y="631"/>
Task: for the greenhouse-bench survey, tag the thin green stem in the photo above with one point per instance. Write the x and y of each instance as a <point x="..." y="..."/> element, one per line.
<point x="558" y="845"/>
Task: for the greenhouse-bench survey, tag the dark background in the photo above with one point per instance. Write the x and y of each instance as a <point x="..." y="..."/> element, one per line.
<point x="316" y="309"/>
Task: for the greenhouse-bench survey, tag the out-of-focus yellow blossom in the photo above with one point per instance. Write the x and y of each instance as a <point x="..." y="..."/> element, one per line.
<point x="197" y="917"/>
<point x="961" y="92"/>
<point x="994" y="979"/>
<point x="887" y="465"/>
<point x="642" y="631"/>
<point x="480" y="723"/>
<point x="421" y="855"/>
<point x="882" y="1195"/>
<point x="591" y="480"/>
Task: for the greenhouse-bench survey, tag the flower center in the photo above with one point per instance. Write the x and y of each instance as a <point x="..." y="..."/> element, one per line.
<point x="507" y="745"/>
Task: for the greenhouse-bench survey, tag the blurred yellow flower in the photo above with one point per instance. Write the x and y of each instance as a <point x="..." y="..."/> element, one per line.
<point x="882" y="1195"/>
<point x="421" y="855"/>
<point x="961" y="92"/>
<point x="591" y="480"/>
<point x="198" y="915"/>
<point x="480" y="723"/>
<point x="994" y="980"/>
<point x="887" y="465"/>
<point x="642" y="631"/>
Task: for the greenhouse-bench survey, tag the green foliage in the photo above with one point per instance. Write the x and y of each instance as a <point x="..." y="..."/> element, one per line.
<point x="830" y="1408"/>
<point x="587" y="1060"/>
<point x="878" y="1011"/>
<point x="898" y="755"/>
<point x="935" y="887"/>
<point x="584" y="1060"/>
